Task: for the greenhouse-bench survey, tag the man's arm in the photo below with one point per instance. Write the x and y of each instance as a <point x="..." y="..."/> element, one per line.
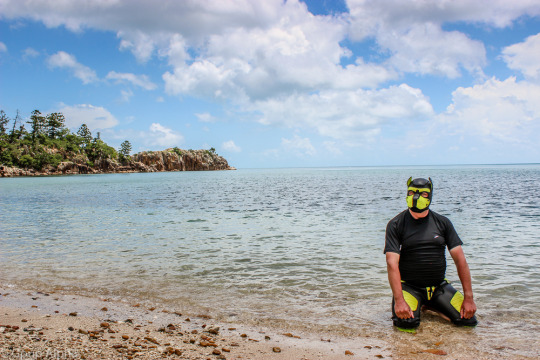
<point x="468" y="309"/>
<point x="401" y="308"/>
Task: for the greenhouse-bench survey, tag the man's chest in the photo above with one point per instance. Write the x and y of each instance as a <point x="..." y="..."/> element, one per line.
<point x="422" y="236"/>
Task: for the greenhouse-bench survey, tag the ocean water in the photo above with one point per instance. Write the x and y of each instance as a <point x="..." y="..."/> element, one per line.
<point x="300" y="248"/>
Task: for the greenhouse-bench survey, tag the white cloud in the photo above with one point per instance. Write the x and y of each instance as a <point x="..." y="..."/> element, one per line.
<point x="426" y="49"/>
<point x="503" y="111"/>
<point x="332" y="147"/>
<point x="138" y="80"/>
<point x="299" y="146"/>
<point x="275" y="59"/>
<point x="30" y="53"/>
<point x="95" y="117"/>
<point x="524" y="57"/>
<point x="231" y="146"/>
<point x="355" y="116"/>
<point x="126" y="95"/>
<point x="369" y="16"/>
<point x="140" y="44"/>
<point x="64" y="60"/>
<point x="160" y="135"/>
<point x="141" y="25"/>
<point x="411" y="32"/>
<point x="205" y="117"/>
<point x="3" y="47"/>
<point x="301" y="52"/>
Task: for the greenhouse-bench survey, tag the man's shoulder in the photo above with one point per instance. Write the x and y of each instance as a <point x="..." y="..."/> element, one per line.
<point x="399" y="217"/>
<point x="439" y="217"/>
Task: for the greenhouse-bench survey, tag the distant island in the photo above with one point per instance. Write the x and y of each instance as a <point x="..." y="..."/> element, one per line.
<point x="50" y="148"/>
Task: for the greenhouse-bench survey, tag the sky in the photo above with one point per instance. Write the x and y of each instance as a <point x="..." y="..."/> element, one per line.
<point x="285" y="83"/>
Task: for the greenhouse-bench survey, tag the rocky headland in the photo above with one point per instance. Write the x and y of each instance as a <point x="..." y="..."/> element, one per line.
<point x="146" y="161"/>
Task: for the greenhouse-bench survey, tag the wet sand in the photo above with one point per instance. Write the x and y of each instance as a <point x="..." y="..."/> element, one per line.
<point x="38" y="325"/>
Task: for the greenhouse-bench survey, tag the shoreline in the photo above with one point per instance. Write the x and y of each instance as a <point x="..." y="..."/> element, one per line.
<point x="37" y="324"/>
<point x="32" y="173"/>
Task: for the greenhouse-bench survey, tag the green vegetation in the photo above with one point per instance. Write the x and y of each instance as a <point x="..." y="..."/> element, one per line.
<point x="43" y="142"/>
<point x="125" y="149"/>
<point x="177" y="151"/>
<point x="48" y="142"/>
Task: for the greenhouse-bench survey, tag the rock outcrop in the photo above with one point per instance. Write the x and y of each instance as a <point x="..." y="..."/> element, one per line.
<point x="181" y="160"/>
<point x="146" y="161"/>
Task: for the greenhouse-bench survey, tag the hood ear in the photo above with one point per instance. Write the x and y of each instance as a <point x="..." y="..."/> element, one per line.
<point x="431" y="184"/>
<point x="409" y="181"/>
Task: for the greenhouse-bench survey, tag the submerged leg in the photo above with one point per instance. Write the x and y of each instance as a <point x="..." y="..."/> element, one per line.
<point x="414" y="300"/>
<point x="448" y="301"/>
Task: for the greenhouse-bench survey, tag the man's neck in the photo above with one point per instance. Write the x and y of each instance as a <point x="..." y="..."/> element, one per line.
<point x="420" y="215"/>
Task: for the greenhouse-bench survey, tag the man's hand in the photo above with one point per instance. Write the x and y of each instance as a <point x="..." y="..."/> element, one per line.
<point x="403" y="310"/>
<point x="468" y="308"/>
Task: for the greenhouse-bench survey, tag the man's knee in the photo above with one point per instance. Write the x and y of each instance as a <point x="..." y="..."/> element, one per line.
<point x="448" y="301"/>
<point x="465" y="322"/>
<point x="410" y="323"/>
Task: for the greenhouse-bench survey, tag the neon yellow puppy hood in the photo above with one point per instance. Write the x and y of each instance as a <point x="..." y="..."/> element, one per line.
<point x="416" y="202"/>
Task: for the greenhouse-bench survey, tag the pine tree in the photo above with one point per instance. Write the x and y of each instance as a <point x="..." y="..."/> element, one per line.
<point x="4" y="120"/>
<point x="13" y="131"/>
<point x="55" y="124"/>
<point x="125" y="149"/>
<point x="85" y="133"/>
<point x="37" y="122"/>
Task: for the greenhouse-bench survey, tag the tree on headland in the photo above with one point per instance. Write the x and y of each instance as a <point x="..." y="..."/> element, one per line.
<point x="85" y="134"/>
<point x="125" y="150"/>
<point x="56" y="123"/>
<point x="50" y="147"/>
<point x="48" y="143"/>
<point x="13" y="131"/>
<point x="37" y="124"/>
<point x="4" y="121"/>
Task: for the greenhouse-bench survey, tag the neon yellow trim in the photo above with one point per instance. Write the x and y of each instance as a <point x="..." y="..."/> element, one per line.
<point x="421" y="203"/>
<point x="412" y="331"/>
<point x="418" y="189"/>
<point x="409" y="201"/>
<point x="430" y="290"/>
<point x="410" y="300"/>
<point x="457" y="301"/>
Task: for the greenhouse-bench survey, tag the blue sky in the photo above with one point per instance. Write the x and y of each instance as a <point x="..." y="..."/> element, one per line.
<point x="272" y="83"/>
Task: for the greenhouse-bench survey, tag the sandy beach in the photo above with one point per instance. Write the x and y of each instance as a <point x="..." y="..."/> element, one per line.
<point x="38" y="325"/>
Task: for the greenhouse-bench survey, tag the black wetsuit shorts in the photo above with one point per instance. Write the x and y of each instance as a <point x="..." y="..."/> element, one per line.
<point x="442" y="298"/>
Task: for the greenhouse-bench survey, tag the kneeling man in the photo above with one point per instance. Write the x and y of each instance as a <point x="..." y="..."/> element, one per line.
<point x="416" y="240"/>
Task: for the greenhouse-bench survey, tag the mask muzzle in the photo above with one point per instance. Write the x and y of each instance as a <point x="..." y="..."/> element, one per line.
<point x="419" y="194"/>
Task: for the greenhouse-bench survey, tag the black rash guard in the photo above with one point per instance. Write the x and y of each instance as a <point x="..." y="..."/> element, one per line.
<point x="421" y="244"/>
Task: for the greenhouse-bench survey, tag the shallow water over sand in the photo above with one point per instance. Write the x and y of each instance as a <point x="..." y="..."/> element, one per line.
<point x="301" y="247"/>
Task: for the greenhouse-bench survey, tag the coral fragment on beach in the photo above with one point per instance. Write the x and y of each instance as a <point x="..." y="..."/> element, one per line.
<point x="435" y="351"/>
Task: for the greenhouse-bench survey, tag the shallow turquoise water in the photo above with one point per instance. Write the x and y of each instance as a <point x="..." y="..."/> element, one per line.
<point x="295" y="246"/>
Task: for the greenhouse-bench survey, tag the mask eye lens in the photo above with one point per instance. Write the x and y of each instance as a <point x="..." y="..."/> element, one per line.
<point x="410" y="193"/>
<point x="425" y="194"/>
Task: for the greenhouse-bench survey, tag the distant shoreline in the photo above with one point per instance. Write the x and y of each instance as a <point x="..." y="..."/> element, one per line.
<point x="148" y="161"/>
